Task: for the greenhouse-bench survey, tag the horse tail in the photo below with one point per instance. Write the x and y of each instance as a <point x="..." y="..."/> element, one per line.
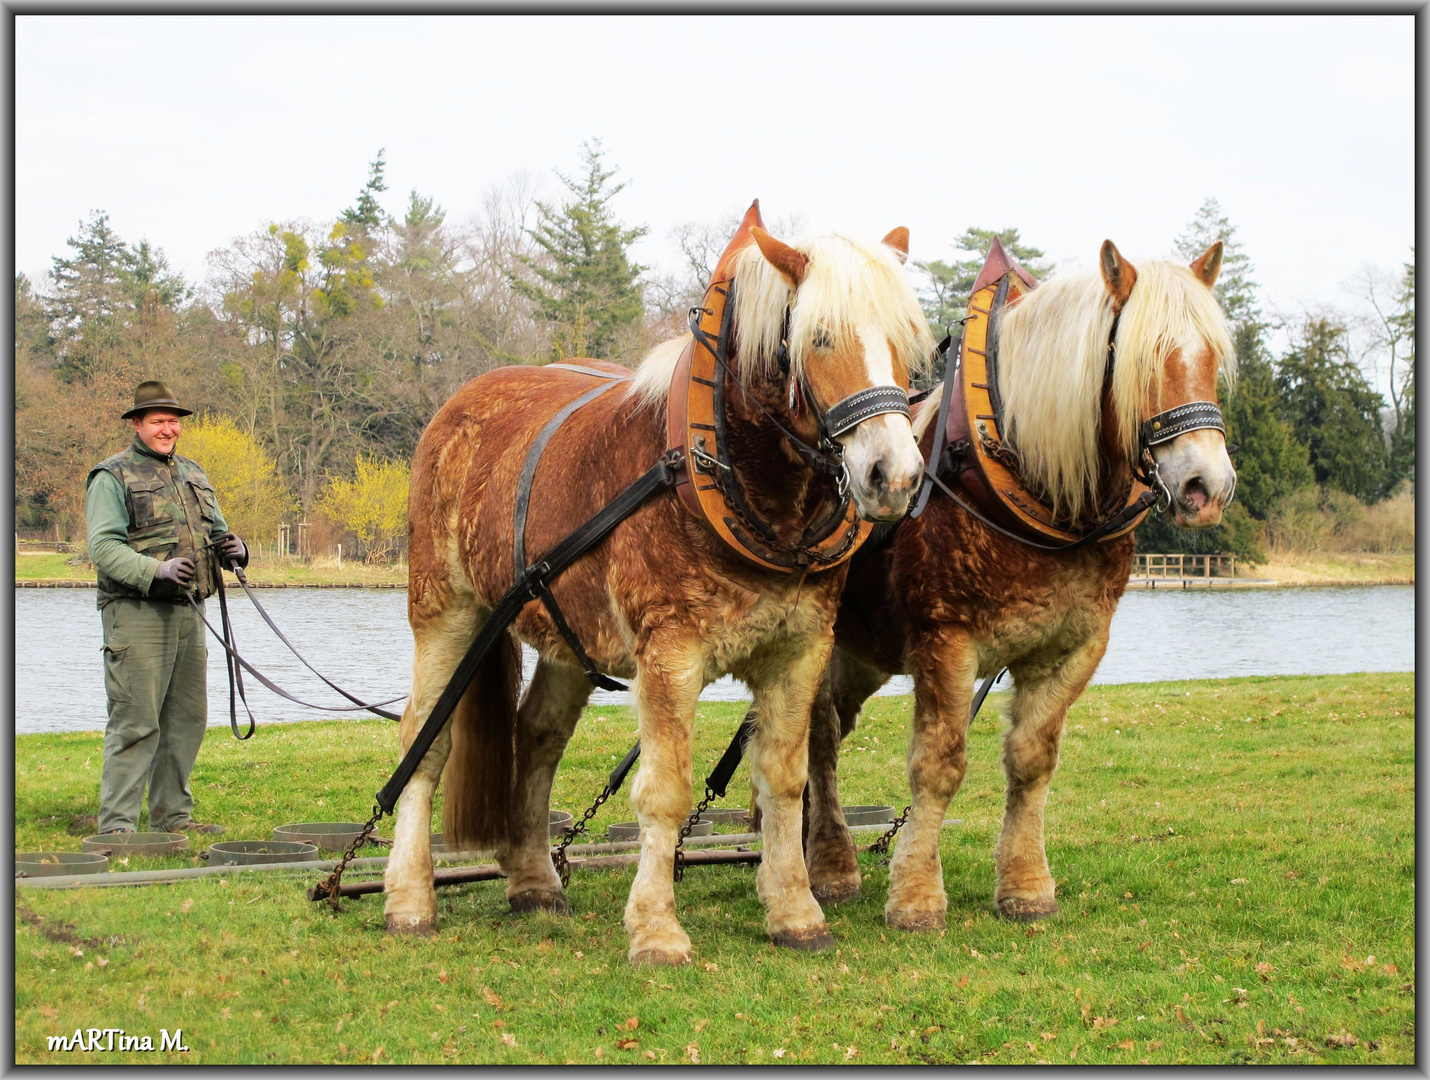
<point x="480" y="773"/>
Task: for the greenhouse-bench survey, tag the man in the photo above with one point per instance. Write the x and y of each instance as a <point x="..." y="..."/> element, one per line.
<point x="154" y="531"/>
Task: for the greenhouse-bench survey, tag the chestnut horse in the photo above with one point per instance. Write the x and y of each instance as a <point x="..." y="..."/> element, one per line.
<point x="950" y="599"/>
<point x="661" y="599"/>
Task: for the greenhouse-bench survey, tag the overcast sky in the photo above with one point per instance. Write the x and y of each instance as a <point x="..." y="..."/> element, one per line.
<point x="192" y="130"/>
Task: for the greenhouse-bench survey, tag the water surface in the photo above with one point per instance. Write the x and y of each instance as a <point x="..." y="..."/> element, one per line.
<point x="359" y="638"/>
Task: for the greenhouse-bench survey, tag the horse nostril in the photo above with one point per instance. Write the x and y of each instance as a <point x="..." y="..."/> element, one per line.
<point x="1194" y="493"/>
<point x="877" y="480"/>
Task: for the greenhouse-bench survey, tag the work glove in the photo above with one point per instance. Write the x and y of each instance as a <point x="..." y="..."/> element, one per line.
<point x="174" y="576"/>
<point x="232" y="552"/>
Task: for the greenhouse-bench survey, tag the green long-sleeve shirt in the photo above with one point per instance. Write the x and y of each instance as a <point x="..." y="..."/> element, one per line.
<point x="107" y="518"/>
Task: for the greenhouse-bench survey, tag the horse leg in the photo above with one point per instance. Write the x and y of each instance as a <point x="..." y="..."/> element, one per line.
<point x="829" y="852"/>
<point x="779" y="767"/>
<point x="1030" y="754"/>
<point x="439" y="645"/>
<point x="945" y="666"/>
<point x="549" y="710"/>
<point x="667" y="689"/>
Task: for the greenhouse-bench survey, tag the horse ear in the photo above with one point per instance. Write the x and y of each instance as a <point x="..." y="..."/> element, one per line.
<point x="1117" y="273"/>
<point x="789" y="261"/>
<point x="1208" y="265"/>
<point x="898" y="239"/>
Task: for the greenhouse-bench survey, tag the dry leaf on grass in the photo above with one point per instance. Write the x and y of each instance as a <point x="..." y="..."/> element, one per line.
<point x="1126" y="1044"/>
<point x="508" y="1038"/>
<point x="627" y="1044"/>
<point x="630" y="1024"/>
<point x="493" y="998"/>
<point x="693" y="1053"/>
<point x="779" y="1052"/>
<point x="712" y="968"/>
<point x="443" y="977"/>
<point x="48" y="1012"/>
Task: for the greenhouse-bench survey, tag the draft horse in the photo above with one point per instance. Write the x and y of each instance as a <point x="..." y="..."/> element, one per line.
<point x="665" y="598"/>
<point x="1092" y="369"/>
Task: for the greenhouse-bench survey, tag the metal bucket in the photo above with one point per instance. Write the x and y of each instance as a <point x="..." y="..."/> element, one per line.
<point x="868" y="815"/>
<point x="255" y="852"/>
<point x="327" y="835"/>
<point x="559" y="822"/>
<point x="728" y="815"/>
<point x="631" y="830"/>
<point x="58" y="863"/>
<point x="122" y="845"/>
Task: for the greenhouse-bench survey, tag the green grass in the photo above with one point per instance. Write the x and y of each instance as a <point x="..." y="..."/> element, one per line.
<point x="55" y="566"/>
<point x="1230" y="855"/>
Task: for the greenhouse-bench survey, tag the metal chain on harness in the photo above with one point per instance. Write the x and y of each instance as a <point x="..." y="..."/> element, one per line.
<point x="328" y="889"/>
<point x="690" y="822"/>
<point x="558" y="853"/>
<point x="881" y="845"/>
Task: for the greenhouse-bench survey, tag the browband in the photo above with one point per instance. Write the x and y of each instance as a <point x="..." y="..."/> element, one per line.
<point x="1193" y="416"/>
<point x="859" y="407"/>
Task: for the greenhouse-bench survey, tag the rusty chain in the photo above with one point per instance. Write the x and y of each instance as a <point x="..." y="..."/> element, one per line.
<point x="328" y="889"/>
<point x="558" y="853"/>
<point x="881" y="845"/>
<point x="690" y="822"/>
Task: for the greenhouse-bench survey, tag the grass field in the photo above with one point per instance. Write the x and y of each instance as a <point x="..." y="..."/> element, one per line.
<point x="1235" y="862"/>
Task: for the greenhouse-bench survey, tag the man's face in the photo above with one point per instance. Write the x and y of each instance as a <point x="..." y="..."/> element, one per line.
<point x="159" y="429"/>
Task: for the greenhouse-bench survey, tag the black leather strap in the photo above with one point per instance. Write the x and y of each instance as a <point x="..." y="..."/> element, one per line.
<point x="719" y="778"/>
<point x="1193" y="416"/>
<point x="657" y="478"/>
<point x="951" y="351"/>
<point x="533" y="457"/>
<point x="543" y="593"/>
<point x="858" y="407"/>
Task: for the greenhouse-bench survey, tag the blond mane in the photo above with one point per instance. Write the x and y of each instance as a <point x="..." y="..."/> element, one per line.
<point x="1052" y="355"/>
<point x="848" y="282"/>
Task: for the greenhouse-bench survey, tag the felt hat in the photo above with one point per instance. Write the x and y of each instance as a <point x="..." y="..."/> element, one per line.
<point x="153" y="394"/>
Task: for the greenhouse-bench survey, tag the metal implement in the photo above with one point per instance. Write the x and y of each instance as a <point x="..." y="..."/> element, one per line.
<point x="715" y="785"/>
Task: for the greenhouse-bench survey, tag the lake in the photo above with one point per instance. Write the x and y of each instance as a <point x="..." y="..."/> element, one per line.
<point x="359" y="639"/>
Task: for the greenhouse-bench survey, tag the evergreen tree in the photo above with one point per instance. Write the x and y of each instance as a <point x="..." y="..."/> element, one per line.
<point x="366" y="215"/>
<point x="950" y="283"/>
<point x="1334" y="411"/>
<point x="1235" y="290"/>
<point x="585" y="285"/>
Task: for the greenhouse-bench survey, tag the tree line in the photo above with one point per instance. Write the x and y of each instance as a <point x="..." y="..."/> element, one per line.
<point x="317" y="352"/>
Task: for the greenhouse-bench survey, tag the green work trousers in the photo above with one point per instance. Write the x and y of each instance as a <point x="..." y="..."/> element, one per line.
<point x="156" y="680"/>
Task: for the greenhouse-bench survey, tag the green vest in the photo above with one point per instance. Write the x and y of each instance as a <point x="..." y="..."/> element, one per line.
<point x="171" y="508"/>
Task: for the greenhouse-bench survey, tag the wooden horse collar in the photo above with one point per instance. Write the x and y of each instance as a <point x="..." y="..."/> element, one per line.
<point x="696" y="424"/>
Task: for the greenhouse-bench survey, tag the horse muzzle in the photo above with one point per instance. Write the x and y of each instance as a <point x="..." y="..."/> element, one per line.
<point x="1199" y="475"/>
<point x="884" y="466"/>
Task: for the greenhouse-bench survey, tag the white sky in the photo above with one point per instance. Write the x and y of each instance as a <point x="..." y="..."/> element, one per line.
<point x="192" y="130"/>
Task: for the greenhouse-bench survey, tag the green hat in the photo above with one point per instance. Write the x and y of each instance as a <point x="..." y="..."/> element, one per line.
<point x="155" y="395"/>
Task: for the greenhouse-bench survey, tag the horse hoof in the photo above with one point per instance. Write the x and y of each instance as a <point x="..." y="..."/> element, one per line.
<point x="659" y="958"/>
<point x="915" y="922"/>
<point x="1026" y="909"/>
<point x="548" y="900"/>
<point x="815" y="939"/>
<point x="834" y="892"/>
<point x="411" y="925"/>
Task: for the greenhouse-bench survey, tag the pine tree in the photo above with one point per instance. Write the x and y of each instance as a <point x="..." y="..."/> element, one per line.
<point x="950" y="283"/>
<point x="1402" y="439"/>
<point x="1334" y="411"/>
<point x="585" y="287"/>
<point x="367" y="214"/>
